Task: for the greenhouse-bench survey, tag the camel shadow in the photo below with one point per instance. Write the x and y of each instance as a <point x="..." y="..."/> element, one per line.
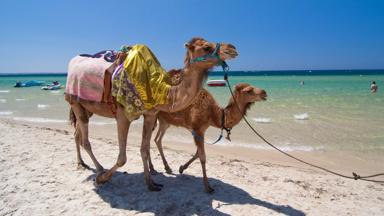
<point x="181" y="195"/>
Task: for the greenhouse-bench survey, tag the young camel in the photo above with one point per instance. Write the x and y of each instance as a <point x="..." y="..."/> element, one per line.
<point x="201" y="114"/>
<point x="179" y="97"/>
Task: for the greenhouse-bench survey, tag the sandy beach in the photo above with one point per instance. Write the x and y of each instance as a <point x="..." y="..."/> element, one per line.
<point x="39" y="176"/>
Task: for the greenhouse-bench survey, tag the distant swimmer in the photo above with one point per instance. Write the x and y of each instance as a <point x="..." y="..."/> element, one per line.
<point x="374" y="87"/>
<point x="302" y="82"/>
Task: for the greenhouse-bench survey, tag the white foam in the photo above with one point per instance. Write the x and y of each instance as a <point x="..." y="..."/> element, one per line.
<point x="102" y="123"/>
<point x="42" y="106"/>
<point x="20" y="99"/>
<point x="3" y="100"/>
<point x="261" y="146"/>
<point x="5" y="91"/>
<point x="39" y="120"/>
<point x="55" y="91"/>
<point x="6" y="112"/>
<point x="302" y="116"/>
<point x="262" y="120"/>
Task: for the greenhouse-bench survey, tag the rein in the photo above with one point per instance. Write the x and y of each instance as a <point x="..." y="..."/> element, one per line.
<point x="354" y="176"/>
<point x="228" y="130"/>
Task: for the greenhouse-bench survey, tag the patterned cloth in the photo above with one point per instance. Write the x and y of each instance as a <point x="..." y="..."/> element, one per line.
<point x="141" y="83"/>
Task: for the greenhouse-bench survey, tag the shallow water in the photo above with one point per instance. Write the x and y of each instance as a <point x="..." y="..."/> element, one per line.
<point x="326" y="113"/>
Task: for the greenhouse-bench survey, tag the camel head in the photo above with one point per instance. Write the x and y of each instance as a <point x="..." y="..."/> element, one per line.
<point x="246" y="95"/>
<point x="206" y="54"/>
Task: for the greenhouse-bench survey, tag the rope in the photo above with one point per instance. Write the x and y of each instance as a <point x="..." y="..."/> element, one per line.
<point x="354" y="175"/>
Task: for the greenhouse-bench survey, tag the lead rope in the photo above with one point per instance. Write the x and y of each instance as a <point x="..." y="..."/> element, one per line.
<point x="354" y="176"/>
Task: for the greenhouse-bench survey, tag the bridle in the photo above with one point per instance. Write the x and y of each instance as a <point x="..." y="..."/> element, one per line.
<point x="213" y="55"/>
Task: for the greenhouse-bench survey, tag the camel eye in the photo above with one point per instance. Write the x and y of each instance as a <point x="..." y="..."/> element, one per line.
<point x="207" y="49"/>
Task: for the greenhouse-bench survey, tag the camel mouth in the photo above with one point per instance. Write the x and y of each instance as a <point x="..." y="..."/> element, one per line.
<point x="228" y="51"/>
<point x="230" y="54"/>
<point x="263" y="96"/>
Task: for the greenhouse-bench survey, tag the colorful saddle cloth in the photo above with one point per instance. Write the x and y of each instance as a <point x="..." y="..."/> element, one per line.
<point x="86" y="75"/>
<point x="140" y="83"/>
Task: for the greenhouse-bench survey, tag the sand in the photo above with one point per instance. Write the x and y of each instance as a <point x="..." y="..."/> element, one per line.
<point x="39" y="176"/>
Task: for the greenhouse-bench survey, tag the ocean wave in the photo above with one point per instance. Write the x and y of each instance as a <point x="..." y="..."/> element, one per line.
<point x="302" y="116"/>
<point x="102" y="123"/>
<point x="260" y="146"/>
<point x="6" y="113"/>
<point x="20" y="99"/>
<point x="3" y="100"/>
<point x="262" y="120"/>
<point x="55" y="91"/>
<point x="5" y="91"/>
<point x="42" y="106"/>
<point x="39" y="120"/>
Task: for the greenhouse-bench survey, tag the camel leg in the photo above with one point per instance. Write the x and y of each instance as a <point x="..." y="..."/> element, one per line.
<point x="149" y="122"/>
<point x="151" y="167"/>
<point x="80" y="162"/>
<point x="186" y="165"/>
<point x="201" y="153"/>
<point x="122" y="133"/>
<point x="163" y="126"/>
<point x="83" y="119"/>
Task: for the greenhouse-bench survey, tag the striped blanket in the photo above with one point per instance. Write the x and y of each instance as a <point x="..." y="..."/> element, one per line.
<point x="85" y="78"/>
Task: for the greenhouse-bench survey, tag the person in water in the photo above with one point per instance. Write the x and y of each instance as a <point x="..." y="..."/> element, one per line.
<point x="374" y="87"/>
<point x="18" y="83"/>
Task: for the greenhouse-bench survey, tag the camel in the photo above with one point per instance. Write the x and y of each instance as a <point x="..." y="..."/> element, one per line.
<point x="201" y="114"/>
<point x="201" y="56"/>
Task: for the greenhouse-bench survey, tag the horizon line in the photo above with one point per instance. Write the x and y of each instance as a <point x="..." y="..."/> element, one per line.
<point x="255" y="70"/>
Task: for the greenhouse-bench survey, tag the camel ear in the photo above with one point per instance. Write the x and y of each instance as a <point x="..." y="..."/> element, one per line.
<point x="189" y="46"/>
<point x="247" y="89"/>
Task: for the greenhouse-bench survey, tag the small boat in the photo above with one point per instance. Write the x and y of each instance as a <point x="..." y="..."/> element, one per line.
<point x="30" y="83"/>
<point x="216" y="83"/>
<point x="54" y="86"/>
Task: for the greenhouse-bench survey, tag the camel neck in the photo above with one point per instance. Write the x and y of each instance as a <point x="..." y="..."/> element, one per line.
<point x="232" y="114"/>
<point x="182" y="95"/>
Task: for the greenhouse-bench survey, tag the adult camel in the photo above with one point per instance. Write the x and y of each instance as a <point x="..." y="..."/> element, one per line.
<point x="201" y="56"/>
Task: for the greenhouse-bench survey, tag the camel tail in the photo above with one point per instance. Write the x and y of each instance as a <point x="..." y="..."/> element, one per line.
<point x="72" y="117"/>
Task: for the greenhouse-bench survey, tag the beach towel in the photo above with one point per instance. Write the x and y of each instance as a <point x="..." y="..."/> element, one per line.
<point x="86" y="75"/>
<point x="141" y="83"/>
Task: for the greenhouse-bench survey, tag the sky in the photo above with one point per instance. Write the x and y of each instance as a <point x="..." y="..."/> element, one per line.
<point x="43" y="35"/>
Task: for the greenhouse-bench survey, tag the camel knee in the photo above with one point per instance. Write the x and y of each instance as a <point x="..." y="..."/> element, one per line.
<point x="87" y="145"/>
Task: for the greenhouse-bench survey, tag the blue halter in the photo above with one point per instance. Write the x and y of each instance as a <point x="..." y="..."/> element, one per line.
<point x="214" y="55"/>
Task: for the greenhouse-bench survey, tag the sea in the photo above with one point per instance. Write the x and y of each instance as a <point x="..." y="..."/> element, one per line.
<point x="306" y="111"/>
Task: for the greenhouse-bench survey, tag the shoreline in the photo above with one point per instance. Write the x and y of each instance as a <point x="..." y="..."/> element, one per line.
<point x="39" y="176"/>
<point x="346" y="162"/>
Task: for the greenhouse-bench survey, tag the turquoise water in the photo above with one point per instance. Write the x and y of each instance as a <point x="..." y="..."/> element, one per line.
<point x="326" y="113"/>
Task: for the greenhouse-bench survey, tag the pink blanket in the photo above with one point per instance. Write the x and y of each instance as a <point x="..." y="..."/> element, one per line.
<point x="85" y="78"/>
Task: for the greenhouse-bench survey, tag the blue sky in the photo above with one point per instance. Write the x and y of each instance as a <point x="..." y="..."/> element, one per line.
<point x="41" y="36"/>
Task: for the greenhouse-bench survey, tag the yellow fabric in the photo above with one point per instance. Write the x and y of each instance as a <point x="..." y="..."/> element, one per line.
<point x="150" y="80"/>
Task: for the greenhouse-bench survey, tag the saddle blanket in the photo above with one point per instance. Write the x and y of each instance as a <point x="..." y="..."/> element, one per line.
<point x="139" y="83"/>
<point x="86" y="74"/>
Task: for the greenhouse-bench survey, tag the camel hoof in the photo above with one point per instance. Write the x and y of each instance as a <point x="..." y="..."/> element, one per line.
<point x="103" y="177"/>
<point x="154" y="188"/>
<point x="209" y="190"/>
<point x="153" y="172"/>
<point x="168" y="170"/>
<point x="82" y="166"/>
<point x="158" y="185"/>
<point x="181" y="169"/>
